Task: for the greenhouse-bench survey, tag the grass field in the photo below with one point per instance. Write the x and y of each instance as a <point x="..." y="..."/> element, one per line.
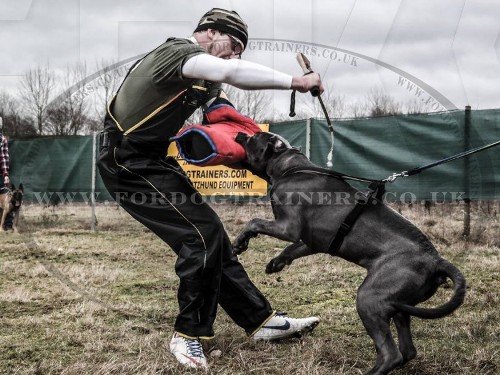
<point x="77" y="302"/>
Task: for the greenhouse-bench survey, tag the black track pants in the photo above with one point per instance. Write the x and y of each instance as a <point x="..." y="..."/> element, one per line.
<point x="157" y="193"/>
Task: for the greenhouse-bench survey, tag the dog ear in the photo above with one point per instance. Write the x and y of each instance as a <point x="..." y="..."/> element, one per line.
<point x="241" y="138"/>
<point x="278" y="144"/>
<point x="12" y="186"/>
<point x="21" y="187"/>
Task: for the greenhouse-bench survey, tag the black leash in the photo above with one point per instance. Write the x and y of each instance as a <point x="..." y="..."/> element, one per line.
<point x="417" y="170"/>
<point x="376" y="189"/>
<point x="394" y="176"/>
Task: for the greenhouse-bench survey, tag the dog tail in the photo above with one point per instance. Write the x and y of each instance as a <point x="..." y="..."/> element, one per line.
<point x="447" y="269"/>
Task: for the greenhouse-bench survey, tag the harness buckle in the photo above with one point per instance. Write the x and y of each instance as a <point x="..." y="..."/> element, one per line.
<point x="109" y="139"/>
<point x="103" y="139"/>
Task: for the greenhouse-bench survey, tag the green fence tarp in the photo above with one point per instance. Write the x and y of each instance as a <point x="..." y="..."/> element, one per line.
<point x="377" y="147"/>
<point x="54" y="170"/>
<point x="60" y="169"/>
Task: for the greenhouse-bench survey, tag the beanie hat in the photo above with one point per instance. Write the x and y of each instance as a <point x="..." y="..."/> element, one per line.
<point x="225" y="21"/>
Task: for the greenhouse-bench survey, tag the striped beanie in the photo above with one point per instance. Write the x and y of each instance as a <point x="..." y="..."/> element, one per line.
<point x="225" y="21"/>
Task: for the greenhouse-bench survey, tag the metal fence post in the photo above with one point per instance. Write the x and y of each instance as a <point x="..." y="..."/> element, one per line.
<point x="308" y="138"/>
<point x="93" y="219"/>
<point x="467" y="126"/>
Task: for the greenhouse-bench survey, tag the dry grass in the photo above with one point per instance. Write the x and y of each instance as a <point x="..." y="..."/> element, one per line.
<point x="77" y="302"/>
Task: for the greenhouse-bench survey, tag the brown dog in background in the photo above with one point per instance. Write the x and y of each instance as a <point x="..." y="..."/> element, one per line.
<point x="10" y="201"/>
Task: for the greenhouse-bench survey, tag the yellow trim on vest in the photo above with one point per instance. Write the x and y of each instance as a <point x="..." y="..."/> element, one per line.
<point x="199" y="88"/>
<point x="152" y="113"/>
<point x="111" y="115"/>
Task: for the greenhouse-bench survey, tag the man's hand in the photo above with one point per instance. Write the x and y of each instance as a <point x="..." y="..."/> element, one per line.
<point x="6" y="180"/>
<point x="307" y="82"/>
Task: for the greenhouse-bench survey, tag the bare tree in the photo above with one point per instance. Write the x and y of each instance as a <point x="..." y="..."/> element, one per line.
<point x="35" y="89"/>
<point x="358" y="109"/>
<point x="15" y="123"/>
<point x="106" y="85"/>
<point x="251" y="103"/>
<point x="376" y="103"/>
<point x="415" y="107"/>
<point x="68" y="115"/>
<point x="381" y="104"/>
<point x="334" y="104"/>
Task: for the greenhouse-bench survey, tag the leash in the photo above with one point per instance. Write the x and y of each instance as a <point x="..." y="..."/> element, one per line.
<point x="394" y="176"/>
<point x="376" y="189"/>
<point x="460" y="155"/>
<point x="305" y="64"/>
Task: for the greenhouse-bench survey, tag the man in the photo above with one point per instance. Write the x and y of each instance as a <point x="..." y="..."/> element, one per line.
<point x="4" y="160"/>
<point x="159" y="93"/>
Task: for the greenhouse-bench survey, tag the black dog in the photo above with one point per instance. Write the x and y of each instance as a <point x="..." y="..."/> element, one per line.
<point x="404" y="268"/>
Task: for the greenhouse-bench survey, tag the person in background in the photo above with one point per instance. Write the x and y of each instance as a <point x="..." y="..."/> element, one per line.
<point x="5" y="180"/>
<point x="158" y="94"/>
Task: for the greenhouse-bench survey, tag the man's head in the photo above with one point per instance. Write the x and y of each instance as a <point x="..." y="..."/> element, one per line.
<point x="231" y="29"/>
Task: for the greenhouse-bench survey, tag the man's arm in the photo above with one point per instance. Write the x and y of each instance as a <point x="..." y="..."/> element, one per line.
<point x="246" y="75"/>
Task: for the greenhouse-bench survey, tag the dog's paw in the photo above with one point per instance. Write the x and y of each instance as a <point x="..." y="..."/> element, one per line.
<point x="237" y="250"/>
<point x="277" y="264"/>
<point x="240" y="245"/>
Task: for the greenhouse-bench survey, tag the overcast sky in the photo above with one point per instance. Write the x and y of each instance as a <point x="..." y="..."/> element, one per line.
<point x="442" y="52"/>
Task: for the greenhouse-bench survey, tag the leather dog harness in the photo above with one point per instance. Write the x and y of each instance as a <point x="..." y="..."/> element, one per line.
<point x="376" y="190"/>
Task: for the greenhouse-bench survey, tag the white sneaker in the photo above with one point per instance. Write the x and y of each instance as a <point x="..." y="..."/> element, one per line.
<point x="188" y="352"/>
<point x="281" y="326"/>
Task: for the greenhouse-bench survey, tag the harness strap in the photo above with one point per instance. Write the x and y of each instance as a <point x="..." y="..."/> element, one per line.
<point x="375" y="191"/>
<point x="325" y="172"/>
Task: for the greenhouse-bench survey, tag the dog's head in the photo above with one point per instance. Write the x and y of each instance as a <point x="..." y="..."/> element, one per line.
<point x="17" y="196"/>
<point x="260" y="149"/>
